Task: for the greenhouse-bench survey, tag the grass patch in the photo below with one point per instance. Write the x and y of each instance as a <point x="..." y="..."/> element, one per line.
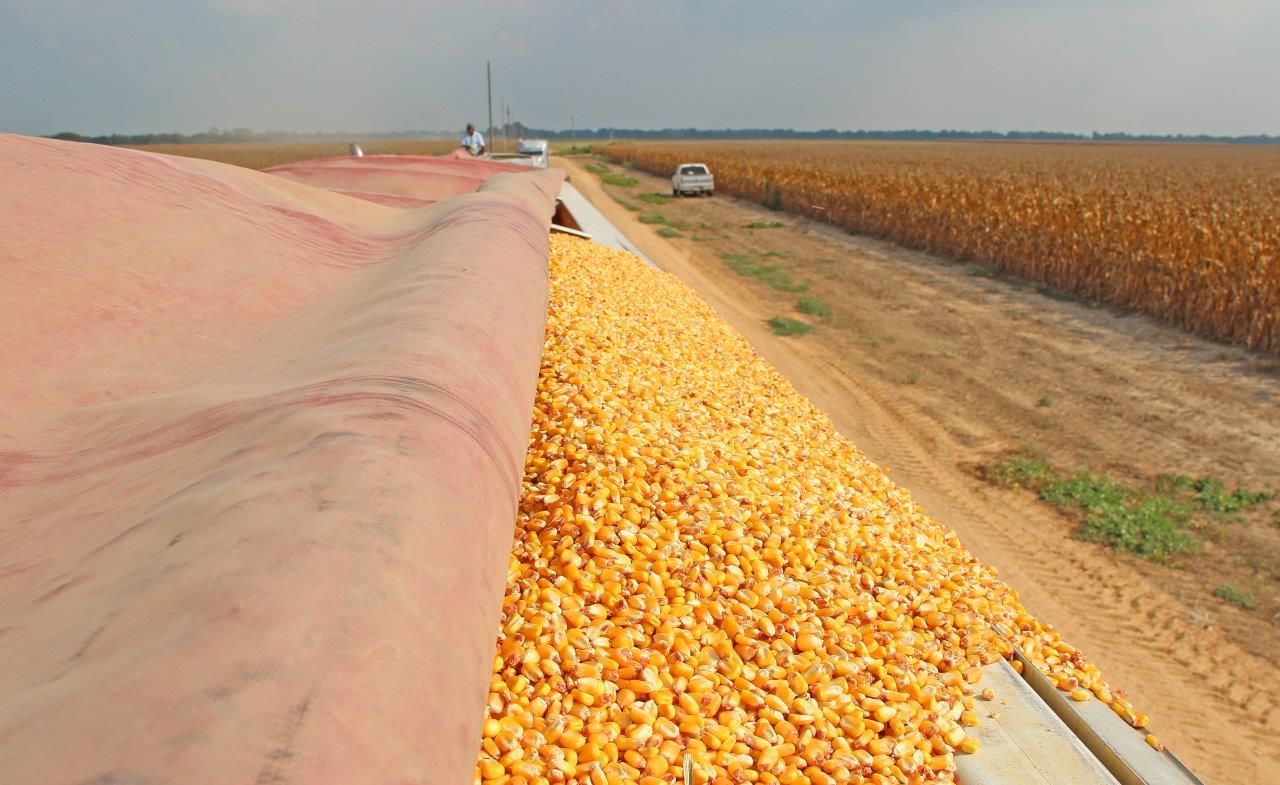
<point x="782" y="325"/>
<point x="772" y="274"/>
<point x="599" y="169"/>
<point x="977" y="271"/>
<point x="632" y="206"/>
<point x="1045" y="401"/>
<point x="814" y="307"/>
<point x="1115" y="514"/>
<point x="1023" y="469"/>
<point x="654" y="198"/>
<point x="762" y="225"/>
<point x="619" y="180"/>
<point x="1152" y="520"/>
<point x="654" y="218"/>
<point x="667" y="231"/>
<point x="1237" y="597"/>
<point x="1211" y="495"/>
<point x="702" y="238"/>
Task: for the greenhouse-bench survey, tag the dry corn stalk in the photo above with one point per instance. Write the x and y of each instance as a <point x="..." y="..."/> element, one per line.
<point x="1187" y="233"/>
<point x="703" y="566"/>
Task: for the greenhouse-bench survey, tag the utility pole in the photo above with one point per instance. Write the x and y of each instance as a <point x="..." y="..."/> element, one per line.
<point x="488" y="76"/>
<point x="573" y="131"/>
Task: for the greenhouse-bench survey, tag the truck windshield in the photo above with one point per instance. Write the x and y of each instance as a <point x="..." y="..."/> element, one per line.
<point x="693" y="170"/>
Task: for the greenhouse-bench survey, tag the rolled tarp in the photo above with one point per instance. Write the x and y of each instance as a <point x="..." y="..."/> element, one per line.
<point x="398" y="180"/>
<point x="260" y="452"/>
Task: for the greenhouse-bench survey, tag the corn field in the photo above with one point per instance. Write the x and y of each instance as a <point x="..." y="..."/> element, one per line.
<point x="1189" y="234"/>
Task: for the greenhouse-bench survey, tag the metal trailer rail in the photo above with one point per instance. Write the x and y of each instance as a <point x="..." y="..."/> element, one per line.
<point x="584" y="217"/>
<point x="1031" y="733"/>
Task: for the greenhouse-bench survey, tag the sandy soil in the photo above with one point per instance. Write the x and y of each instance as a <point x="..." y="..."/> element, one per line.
<point x="933" y="371"/>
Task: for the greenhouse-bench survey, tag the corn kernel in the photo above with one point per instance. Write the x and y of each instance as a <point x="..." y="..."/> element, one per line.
<point x="704" y="566"/>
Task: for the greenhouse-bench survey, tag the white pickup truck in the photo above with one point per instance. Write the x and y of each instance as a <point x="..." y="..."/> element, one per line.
<point x="537" y="149"/>
<point x="692" y="179"/>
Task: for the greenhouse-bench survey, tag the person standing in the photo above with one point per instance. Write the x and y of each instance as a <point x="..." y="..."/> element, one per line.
<point x="473" y="141"/>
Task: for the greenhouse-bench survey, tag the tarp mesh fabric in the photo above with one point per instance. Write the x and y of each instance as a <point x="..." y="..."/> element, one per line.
<point x="260" y="452"/>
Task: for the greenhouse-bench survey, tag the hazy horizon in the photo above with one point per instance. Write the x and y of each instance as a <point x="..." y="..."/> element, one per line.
<point x="1132" y="66"/>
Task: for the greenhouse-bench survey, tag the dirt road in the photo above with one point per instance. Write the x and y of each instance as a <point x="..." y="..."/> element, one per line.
<point x="933" y="370"/>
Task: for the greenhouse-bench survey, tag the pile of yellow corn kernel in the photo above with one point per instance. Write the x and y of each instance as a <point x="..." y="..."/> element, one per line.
<point x="703" y="566"/>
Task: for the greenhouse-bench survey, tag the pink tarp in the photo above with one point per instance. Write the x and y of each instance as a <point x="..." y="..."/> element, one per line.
<point x="398" y="180"/>
<point x="260" y="452"/>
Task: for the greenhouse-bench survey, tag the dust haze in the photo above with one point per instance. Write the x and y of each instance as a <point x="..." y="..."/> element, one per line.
<point x="1137" y="66"/>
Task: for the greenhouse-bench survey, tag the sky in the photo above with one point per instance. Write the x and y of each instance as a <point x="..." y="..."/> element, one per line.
<point x="1139" y="66"/>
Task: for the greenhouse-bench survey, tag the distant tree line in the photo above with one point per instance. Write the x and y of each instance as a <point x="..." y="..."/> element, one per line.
<point x="214" y="135"/>
<point x="905" y="134"/>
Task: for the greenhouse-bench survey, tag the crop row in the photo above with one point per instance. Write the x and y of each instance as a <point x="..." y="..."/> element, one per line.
<point x="1187" y="234"/>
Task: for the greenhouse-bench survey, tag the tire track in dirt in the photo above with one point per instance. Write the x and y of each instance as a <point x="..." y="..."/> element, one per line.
<point x="1208" y="697"/>
<point x="1166" y="663"/>
<point x="1054" y="588"/>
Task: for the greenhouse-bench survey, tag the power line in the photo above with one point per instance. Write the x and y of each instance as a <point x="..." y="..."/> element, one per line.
<point x="330" y="28"/>
<point x="395" y="18"/>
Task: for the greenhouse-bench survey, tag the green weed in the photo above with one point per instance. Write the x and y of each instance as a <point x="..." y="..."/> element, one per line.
<point x="1210" y="494"/>
<point x="772" y="274"/>
<point x="1023" y="469"/>
<point x="654" y="218"/>
<point x="621" y="181"/>
<point x="814" y="307"/>
<point x="1112" y="513"/>
<point x="782" y="325"/>
<point x="1237" y="597"/>
<point x="1213" y="496"/>
<point x="1151" y="524"/>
